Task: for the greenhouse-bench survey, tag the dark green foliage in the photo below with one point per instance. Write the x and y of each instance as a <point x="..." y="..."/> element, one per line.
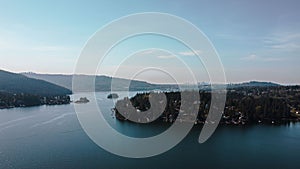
<point x="8" y="100"/>
<point x="244" y="105"/>
<point x="20" y="91"/>
<point x="17" y="83"/>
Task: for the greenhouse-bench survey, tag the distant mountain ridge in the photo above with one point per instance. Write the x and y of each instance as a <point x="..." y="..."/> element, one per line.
<point x="103" y="83"/>
<point x="254" y="84"/>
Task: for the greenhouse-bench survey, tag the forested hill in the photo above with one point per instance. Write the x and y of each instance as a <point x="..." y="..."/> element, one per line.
<point x="17" y="90"/>
<point x="16" y="83"/>
<point x="253" y="84"/>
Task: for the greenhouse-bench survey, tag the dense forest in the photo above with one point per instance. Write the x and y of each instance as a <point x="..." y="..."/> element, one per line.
<point x="8" y="100"/>
<point x="17" y="83"/>
<point x="244" y="105"/>
<point x="17" y="90"/>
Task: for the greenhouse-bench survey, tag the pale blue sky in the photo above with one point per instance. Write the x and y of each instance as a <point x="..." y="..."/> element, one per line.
<point x="256" y="39"/>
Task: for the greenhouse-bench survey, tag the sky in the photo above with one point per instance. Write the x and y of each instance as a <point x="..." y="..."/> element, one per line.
<point x="255" y="39"/>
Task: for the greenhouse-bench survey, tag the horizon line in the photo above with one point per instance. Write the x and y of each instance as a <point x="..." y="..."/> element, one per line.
<point x="185" y="83"/>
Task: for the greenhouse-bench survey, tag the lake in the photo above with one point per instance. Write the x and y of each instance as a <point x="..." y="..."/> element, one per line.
<point x="51" y="137"/>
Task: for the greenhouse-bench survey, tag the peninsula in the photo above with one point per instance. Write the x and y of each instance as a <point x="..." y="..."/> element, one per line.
<point x="17" y="90"/>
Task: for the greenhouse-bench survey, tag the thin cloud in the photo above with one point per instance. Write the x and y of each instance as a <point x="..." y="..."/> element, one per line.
<point x="147" y="52"/>
<point x="283" y="41"/>
<point x="157" y="53"/>
<point x="254" y="57"/>
<point x="250" y="57"/>
<point x="286" y="46"/>
<point x="165" y="56"/>
<point x="191" y="53"/>
<point x="184" y="53"/>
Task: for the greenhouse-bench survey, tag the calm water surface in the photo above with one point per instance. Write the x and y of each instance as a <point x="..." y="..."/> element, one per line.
<point x="51" y="137"/>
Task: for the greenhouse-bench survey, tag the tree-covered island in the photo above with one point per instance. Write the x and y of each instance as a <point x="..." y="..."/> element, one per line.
<point x="244" y="105"/>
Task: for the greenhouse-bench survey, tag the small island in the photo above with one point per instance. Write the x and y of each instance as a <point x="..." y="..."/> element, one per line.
<point x="82" y="100"/>
<point x="113" y="96"/>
